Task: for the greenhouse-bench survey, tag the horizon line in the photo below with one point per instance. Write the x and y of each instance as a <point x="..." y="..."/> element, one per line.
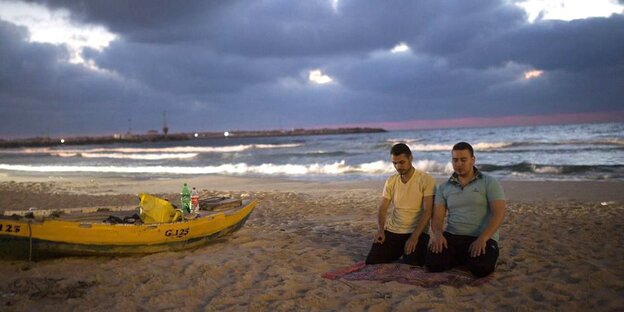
<point x="503" y="121"/>
<point x="426" y="124"/>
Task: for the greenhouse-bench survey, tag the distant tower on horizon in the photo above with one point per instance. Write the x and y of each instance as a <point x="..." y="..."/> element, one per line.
<point x="165" y="128"/>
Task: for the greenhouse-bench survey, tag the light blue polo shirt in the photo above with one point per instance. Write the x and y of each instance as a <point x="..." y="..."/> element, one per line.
<point x="468" y="208"/>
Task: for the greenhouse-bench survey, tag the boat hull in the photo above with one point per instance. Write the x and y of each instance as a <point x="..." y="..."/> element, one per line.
<point x="27" y="239"/>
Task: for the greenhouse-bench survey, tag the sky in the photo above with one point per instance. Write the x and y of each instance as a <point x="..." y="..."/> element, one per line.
<point x="72" y="67"/>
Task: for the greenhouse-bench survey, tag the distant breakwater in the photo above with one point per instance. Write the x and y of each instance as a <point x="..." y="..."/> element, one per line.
<point x="151" y="137"/>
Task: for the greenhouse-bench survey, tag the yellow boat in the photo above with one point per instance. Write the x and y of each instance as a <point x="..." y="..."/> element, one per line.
<point x="29" y="236"/>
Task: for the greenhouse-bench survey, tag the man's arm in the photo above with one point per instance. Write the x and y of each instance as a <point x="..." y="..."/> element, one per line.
<point x="437" y="241"/>
<point x="497" y="210"/>
<point x="381" y="220"/>
<point x="427" y="206"/>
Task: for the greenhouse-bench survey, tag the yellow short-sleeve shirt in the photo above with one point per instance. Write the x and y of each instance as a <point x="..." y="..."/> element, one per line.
<point x="406" y="199"/>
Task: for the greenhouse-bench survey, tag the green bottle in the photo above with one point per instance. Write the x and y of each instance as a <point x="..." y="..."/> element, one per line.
<point x="185" y="199"/>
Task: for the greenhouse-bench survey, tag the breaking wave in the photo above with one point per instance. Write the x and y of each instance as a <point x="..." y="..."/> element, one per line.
<point x="146" y="156"/>
<point x="483" y="146"/>
<point x="543" y="169"/>
<point x="336" y="168"/>
<point x="154" y="150"/>
<point x="513" y="146"/>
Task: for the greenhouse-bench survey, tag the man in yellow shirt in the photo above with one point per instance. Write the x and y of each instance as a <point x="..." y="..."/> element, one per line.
<point x="402" y="230"/>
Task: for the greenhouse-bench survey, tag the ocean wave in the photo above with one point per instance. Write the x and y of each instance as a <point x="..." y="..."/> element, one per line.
<point x="611" y="141"/>
<point x="65" y="154"/>
<point x="154" y="150"/>
<point x="526" y="167"/>
<point x="240" y="168"/>
<point x="27" y="151"/>
<point x="406" y="141"/>
<point x="560" y="150"/>
<point x="602" y="141"/>
<point x="336" y="168"/>
<point x="511" y="146"/>
<point x="481" y="146"/>
<point x="547" y="169"/>
<point x="145" y="156"/>
<point x="318" y="154"/>
<point x="432" y="166"/>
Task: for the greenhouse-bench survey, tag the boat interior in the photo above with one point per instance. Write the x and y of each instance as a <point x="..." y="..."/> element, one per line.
<point x="124" y="214"/>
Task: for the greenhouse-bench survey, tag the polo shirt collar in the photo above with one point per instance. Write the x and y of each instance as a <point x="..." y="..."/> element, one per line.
<point x="454" y="179"/>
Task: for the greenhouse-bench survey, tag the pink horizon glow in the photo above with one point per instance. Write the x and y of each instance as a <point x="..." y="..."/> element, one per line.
<point x="475" y="122"/>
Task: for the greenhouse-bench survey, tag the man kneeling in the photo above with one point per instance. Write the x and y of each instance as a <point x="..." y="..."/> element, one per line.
<point x="476" y="207"/>
<point x="402" y="232"/>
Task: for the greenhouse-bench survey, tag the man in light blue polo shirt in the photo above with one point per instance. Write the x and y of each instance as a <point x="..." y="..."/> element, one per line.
<point x="475" y="203"/>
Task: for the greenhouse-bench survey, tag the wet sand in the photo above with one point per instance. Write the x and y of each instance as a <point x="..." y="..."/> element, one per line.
<point x="561" y="248"/>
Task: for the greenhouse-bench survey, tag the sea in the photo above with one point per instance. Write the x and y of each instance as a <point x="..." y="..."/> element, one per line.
<point x="551" y="152"/>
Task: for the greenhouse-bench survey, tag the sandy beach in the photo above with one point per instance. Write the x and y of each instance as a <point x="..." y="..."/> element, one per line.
<point x="562" y="248"/>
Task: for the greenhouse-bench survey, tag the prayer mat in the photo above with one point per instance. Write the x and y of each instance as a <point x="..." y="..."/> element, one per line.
<point x="406" y="274"/>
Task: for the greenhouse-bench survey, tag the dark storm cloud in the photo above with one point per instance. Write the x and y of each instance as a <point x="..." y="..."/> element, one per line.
<point x="37" y="92"/>
<point x="299" y="28"/>
<point x="141" y="20"/>
<point x="23" y="63"/>
<point x="188" y="69"/>
<point x="200" y="60"/>
<point x="552" y="45"/>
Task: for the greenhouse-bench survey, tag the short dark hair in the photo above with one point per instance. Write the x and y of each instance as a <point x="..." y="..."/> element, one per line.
<point x="462" y="146"/>
<point x="401" y="148"/>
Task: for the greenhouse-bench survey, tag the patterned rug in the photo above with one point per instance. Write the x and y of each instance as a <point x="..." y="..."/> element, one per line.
<point x="405" y="274"/>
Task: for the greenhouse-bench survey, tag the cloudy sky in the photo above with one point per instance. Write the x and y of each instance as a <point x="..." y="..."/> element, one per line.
<point x="103" y="66"/>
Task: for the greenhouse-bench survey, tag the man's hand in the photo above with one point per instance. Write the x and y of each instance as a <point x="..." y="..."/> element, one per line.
<point x="437" y="243"/>
<point x="477" y="247"/>
<point x="380" y="237"/>
<point x="410" y="245"/>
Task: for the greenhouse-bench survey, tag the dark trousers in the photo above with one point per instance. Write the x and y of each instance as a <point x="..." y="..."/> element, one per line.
<point x="393" y="248"/>
<point x="458" y="254"/>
